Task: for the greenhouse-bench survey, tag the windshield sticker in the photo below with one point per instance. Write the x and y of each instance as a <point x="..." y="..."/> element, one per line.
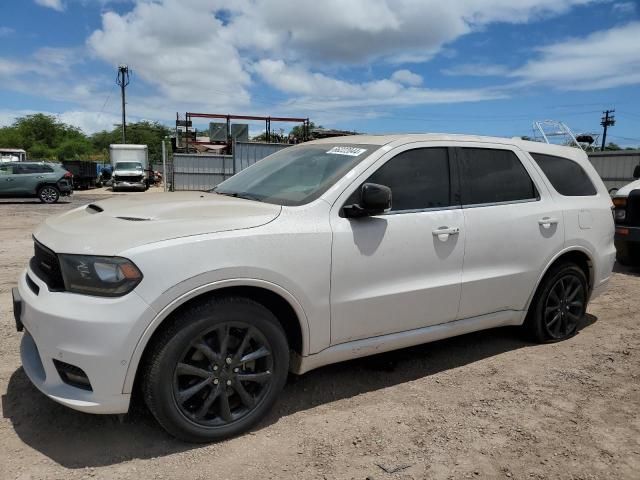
<point x="350" y="151"/>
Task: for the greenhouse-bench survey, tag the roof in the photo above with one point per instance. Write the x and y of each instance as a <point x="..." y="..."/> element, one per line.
<point x="127" y="146"/>
<point x="12" y="150"/>
<point x="525" y="145"/>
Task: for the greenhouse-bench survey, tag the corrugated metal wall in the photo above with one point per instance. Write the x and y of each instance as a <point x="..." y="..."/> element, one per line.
<point x="615" y="168"/>
<point x="200" y="172"/>
<point x="247" y="153"/>
<point x="193" y="171"/>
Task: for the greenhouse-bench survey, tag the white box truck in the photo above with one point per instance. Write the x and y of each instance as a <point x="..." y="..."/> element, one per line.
<point x="130" y="165"/>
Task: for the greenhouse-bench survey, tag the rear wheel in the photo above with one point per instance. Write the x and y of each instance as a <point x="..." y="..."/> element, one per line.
<point x="48" y="194"/>
<point x="217" y="370"/>
<point x="559" y="304"/>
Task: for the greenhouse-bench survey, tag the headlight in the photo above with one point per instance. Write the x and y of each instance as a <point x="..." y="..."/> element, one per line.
<point x="102" y="276"/>
<point x="619" y="214"/>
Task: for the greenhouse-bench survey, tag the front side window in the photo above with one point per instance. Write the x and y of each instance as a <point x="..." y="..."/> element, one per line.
<point x="566" y="176"/>
<point x="493" y="176"/>
<point x="295" y="175"/>
<point x="418" y="179"/>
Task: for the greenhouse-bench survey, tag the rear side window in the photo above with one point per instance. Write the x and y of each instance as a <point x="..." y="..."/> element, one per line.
<point x="418" y="179"/>
<point x="493" y="176"/>
<point x="566" y="176"/>
<point x="33" y="168"/>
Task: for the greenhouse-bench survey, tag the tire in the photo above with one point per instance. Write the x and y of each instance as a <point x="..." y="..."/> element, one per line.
<point x="201" y="387"/>
<point x="559" y="304"/>
<point x="48" y="194"/>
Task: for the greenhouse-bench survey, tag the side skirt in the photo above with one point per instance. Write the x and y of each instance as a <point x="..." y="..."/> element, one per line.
<point x="395" y="341"/>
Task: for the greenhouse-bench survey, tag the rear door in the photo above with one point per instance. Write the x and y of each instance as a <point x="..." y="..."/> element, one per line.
<point x="513" y="228"/>
<point x="400" y="270"/>
<point x="11" y="179"/>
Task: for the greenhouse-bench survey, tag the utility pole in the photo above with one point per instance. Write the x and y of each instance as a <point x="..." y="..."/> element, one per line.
<point x="608" y="120"/>
<point x="123" y="81"/>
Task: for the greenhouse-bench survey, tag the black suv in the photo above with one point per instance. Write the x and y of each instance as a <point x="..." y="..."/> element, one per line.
<point x="627" y="218"/>
<point x="47" y="181"/>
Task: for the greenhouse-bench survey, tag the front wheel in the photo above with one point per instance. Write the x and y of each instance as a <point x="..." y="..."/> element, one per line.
<point x="48" y="194"/>
<point x="559" y="304"/>
<point x="217" y="370"/>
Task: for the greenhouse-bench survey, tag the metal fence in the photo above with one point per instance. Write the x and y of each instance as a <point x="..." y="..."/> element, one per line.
<point x="615" y="168"/>
<point x="196" y="171"/>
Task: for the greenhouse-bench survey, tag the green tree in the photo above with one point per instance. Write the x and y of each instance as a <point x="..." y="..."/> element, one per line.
<point x="297" y="130"/>
<point x="612" y="146"/>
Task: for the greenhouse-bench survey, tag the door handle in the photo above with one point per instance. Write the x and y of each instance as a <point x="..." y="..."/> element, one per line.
<point x="443" y="232"/>
<point x="546" y="222"/>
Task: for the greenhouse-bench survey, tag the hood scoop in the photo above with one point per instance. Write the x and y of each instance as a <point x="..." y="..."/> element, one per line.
<point x="134" y="219"/>
<point x="93" y="208"/>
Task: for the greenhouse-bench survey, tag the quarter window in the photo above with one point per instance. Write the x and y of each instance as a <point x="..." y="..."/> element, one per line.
<point x="566" y="176"/>
<point x="418" y="179"/>
<point x="493" y="176"/>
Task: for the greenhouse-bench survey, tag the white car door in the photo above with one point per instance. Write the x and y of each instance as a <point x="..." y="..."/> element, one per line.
<point x="400" y="270"/>
<point x="513" y="229"/>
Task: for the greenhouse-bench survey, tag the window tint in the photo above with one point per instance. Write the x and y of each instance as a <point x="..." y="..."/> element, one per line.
<point x="26" y="168"/>
<point x="566" y="176"/>
<point x="493" y="176"/>
<point x="418" y="179"/>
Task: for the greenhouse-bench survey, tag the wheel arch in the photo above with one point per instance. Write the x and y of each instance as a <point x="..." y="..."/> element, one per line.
<point x="283" y="304"/>
<point x="578" y="255"/>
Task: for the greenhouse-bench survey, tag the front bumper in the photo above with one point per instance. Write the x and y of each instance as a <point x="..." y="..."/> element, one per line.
<point x="627" y="234"/>
<point x="130" y="185"/>
<point x="95" y="334"/>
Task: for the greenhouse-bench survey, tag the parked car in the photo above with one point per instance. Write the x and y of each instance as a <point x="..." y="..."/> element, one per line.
<point x="47" y="181"/>
<point x="322" y="252"/>
<point x="627" y="218"/>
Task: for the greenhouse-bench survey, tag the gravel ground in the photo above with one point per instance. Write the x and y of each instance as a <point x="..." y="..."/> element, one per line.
<point x="484" y="405"/>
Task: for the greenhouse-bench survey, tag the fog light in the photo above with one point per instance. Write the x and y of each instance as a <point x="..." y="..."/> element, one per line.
<point x="72" y="375"/>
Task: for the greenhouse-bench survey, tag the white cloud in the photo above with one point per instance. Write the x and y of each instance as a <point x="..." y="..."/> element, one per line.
<point x="476" y="70"/>
<point x="6" y="31"/>
<point x="177" y="47"/>
<point x="624" y="8"/>
<point x="605" y="59"/>
<point x="407" y="77"/>
<point x="54" y="4"/>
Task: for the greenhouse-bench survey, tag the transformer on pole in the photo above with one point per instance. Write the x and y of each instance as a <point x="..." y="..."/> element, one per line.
<point x="123" y="81"/>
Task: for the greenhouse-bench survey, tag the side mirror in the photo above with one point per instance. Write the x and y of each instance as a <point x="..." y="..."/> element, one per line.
<point x="636" y="172"/>
<point x="374" y="200"/>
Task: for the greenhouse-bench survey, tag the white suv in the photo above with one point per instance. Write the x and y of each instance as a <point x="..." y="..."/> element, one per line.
<point x="322" y="252"/>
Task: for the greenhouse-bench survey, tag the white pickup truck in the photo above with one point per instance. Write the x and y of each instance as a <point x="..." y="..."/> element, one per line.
<point x="627" y="218"/>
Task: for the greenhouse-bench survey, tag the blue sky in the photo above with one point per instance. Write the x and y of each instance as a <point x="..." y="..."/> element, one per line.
<point x="474" y="66"/>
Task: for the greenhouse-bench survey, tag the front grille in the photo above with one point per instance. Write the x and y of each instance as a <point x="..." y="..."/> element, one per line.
<point x="46" y="266"/>
<point x="129" y="178"/>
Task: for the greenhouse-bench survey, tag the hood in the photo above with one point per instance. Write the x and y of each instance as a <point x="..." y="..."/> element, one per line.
<point x="624" y="191"/>
<point x="108" y="227"/>
<point x="128" y="172"/>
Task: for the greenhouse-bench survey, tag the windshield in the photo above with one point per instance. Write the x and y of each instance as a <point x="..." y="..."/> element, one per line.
<point x="296" y="175"/>
<point x="128" y="166"/>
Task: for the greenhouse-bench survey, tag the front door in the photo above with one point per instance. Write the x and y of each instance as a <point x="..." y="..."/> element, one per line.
<point x="400" y="270"/>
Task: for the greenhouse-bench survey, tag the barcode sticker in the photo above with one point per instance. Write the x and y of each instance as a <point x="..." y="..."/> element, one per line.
<point x="350" y="151"/>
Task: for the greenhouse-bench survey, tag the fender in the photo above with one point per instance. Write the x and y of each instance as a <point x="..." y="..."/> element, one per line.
<point x="209" y="287"/>
<point x="573" y="248"/>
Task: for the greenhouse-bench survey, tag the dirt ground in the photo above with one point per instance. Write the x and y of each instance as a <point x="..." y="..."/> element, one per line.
<point x="484" y="405"/>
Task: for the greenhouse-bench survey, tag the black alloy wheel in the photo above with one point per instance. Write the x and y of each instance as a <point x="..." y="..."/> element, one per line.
<point x="564" y="307"/>
<point x="223" y="374"/>
<point x="559" y="304"/>
<point x="216" y="369"/>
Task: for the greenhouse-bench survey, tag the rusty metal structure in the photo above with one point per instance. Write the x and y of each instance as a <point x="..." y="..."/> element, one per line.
<point x="191" y="140"/>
